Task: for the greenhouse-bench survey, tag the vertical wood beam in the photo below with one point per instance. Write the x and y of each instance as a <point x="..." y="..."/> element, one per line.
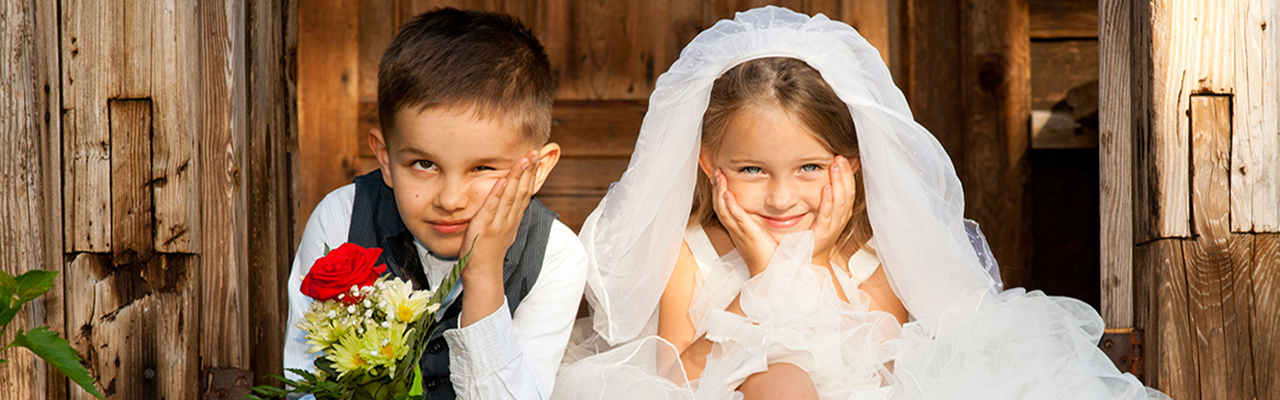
<point x="932" y="72"/>
<point x="1255" y="159"/>
<point x="132" y="234"/>
<point x="86" y="45"/>
<point x="996" y="88"/>
<point x="270" y="203"/>
<point x="174" y="101"/>
<point x="328" y="81"/>
<point x="1160" y="297"/>
<point x="1265" y="321"/>
<point x="1115" y="152"/>
<point x="223" y="271"/>
<point x="31" y="218"/>
<point x="1214" y="258"/>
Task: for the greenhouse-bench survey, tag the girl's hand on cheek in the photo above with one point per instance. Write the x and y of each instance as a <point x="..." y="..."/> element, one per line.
<point x="752" y="241"/>
<point x="835" y="210"/>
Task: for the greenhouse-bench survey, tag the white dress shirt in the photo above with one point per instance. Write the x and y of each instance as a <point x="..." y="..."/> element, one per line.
<point x="502" y="356"/>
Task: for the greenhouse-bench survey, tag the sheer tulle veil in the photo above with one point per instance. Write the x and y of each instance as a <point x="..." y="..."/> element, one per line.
<point x="914" y="198"/>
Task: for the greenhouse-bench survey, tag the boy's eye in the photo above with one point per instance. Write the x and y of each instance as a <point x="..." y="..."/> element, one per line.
<point x="424" y="164"/>
<point x="485" y="168"/>
<point x="810" y="167"/>
<point x="750" y="170"/>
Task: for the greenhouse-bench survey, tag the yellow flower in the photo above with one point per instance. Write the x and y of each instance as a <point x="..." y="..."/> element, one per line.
<point x="347" y="355"/>
<point x="385" y="346"/>
<point x="324" y="325"/>
<point x="402" y="303"/>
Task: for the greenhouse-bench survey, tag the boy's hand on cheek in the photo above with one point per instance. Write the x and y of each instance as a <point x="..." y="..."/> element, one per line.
<point x="488" y="236"/>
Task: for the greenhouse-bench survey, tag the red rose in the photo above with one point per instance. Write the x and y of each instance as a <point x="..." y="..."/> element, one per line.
<point x="335" y="273"/>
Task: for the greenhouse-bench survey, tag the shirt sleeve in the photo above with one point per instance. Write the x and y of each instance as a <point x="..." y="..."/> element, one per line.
<point x="506" y="356"/>
<point x="328" y="225"/>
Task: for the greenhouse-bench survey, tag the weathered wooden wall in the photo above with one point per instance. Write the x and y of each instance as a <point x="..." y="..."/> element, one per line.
<point x="149" y="134"/>
<point x="1190" y="91"/>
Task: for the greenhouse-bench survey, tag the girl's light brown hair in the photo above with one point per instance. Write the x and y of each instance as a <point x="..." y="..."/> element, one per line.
<point x="799" y="89"/>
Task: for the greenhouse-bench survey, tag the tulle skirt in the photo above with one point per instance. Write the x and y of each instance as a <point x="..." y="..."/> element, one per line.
<point x="1018" y="345"/>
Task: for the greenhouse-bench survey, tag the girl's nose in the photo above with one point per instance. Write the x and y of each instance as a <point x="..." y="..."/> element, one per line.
<point x="781" y="195"/>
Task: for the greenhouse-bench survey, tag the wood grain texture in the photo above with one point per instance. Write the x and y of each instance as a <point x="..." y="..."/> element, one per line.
<point x="224" y="294"/>
<point x="1265" y="321"/>
<point x="132" y="235"/>
<point x="573" y="210"/>
<point x="1254" y="30"/>
<point x="1115" y="175"/>
<point x="1162" y="313"/>
<point x="136" y="329"/>
<point x="86" y="48"/>
<point x="583" y="176"/>
<point x="995" y="77"/>
<point x="1065" y="19"/>
<point x="30" y="184"/>
<point x="328" y="84"/>
<point x="174" y="98"/>
<point x="378" y="25"/>
<point x="270" y="202"/>
<point x="932" y="77"/>
<point x="597" y="128"/>
<point x="130" y="25"/>
<point x="1213" y="259"/>
<point x="1058" y="67"/>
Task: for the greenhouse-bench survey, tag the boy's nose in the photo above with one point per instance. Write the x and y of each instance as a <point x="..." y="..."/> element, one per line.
<point x="452" y="197"/>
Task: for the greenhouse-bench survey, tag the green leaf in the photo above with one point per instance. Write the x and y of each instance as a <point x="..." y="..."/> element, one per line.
<point x="59" y="354"/>
<point x="34" y="283"/>
<point x="415" y="390"/>
<point x="326" y="249"/>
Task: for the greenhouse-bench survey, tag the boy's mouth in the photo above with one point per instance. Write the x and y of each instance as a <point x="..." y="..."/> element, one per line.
<point x="782" y="222"/>
<point x="447" y="227"/>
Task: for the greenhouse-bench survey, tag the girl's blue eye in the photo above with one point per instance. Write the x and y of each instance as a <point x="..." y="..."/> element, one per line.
<point x="424" y="164"/>
<point x="750" y="170"/>
<point x="810" y="167"/>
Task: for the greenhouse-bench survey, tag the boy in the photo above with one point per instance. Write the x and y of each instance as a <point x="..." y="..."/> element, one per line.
<point x="464" y="99"/>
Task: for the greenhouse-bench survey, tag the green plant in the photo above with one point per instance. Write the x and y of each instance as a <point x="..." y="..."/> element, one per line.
<point x="16" y="292"/>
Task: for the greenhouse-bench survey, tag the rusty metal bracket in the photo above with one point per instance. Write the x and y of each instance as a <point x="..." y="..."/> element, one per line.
<point x="1124" y="347"/>
<point x="225" y="383"/>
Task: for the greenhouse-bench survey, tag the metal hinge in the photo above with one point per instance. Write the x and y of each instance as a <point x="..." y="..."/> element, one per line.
<point x="225" y="383"/>
<point x="1124" y="347"/>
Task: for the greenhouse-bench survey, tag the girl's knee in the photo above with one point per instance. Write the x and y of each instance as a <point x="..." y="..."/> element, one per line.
<point x="780" y="381"/>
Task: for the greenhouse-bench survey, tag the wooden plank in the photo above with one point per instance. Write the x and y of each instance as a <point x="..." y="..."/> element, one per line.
<point x="1115" y="149"/>
<point x="173" y="144"/>
<point x="1161" y="312"/>
<point x="30" y="187"/>
<point x="132" y="236"/>
<point x="86" y="43"/>
<point x="135" y="328"/>
<point x="597" y="128"/>
<point x="573" y="210"/>
<point x="606" y="56"/>
<point x="377" y="27"/>
<point x="1058" y="67"/>
<point x="995" y="81"/>
<point x="1255" y="156"/>
<point x="872" y="19"/>
<point x="583" y="176"/>
<point x="130" y="25"/>
<point x="1217" y="314"/>
<point x="224" y="268"/>
<point x="1064" y="19"/>
<point x="269" y="198"/>
<point x="1265" y="321"/>
<point x="932" y="77"/>
<point x="328" y="84"/>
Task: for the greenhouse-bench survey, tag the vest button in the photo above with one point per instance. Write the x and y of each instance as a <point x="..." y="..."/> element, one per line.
<point x="433" y="383"/>
<point x="436" y="346"/>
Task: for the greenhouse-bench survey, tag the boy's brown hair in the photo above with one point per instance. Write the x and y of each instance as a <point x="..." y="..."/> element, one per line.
<point x="488" y="63"/>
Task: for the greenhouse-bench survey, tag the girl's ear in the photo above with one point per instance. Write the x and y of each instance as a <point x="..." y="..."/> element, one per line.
<point x="548" y="157"/>
<point x="706" y="164"/>
<point x="855" y="164"/>
<point x="378" y="144"/>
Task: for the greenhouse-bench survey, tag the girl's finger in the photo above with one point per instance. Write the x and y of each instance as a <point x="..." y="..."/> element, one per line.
<point x="838" y="171"/>
<point x="825" y="206"/>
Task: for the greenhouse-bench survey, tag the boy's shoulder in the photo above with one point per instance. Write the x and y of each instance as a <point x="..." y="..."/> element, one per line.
<point x="564" y="250"/>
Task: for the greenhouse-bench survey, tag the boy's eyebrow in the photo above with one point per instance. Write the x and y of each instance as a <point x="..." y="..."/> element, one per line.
<point x="412" y="151"/>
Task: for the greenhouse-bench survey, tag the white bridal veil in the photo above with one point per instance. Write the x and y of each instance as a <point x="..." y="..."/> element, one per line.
<point x="913" y="196"/>
<point x="970" y="338"/>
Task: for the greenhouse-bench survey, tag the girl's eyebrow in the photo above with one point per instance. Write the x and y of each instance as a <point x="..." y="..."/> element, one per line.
<point x="816" y="160"/>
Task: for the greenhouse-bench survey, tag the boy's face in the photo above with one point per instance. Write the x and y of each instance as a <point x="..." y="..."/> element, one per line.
<point x="442" y="162"/>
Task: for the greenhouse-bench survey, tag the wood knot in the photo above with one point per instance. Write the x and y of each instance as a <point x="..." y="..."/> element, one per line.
<point x="991" y="75"/>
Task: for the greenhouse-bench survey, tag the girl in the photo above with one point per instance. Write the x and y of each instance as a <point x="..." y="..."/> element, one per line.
<point x="774" y="286"/>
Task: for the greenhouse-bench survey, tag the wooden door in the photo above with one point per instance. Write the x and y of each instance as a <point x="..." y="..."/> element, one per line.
<point x="155" y="173"/>
<point x="1191" y="149"/>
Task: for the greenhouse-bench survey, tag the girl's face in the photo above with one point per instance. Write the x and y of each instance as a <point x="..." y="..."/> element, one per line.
<point x="774" y="166"/>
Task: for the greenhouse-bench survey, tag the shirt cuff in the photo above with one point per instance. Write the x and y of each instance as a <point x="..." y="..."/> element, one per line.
<point x="484" y="346"/>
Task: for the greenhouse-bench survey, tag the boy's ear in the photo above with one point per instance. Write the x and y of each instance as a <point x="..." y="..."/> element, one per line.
<point x="548" y="156"/>
<point x="379" y="146"/>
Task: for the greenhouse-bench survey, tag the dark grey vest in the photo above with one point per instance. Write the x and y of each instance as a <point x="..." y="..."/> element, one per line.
<point x="375" y="222"/>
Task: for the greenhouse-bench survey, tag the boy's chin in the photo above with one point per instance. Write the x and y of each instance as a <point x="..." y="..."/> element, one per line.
<point x="444" y="247"/>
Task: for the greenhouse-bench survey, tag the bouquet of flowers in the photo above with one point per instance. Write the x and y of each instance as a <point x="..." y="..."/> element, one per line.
<point x="368" y="329"/>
